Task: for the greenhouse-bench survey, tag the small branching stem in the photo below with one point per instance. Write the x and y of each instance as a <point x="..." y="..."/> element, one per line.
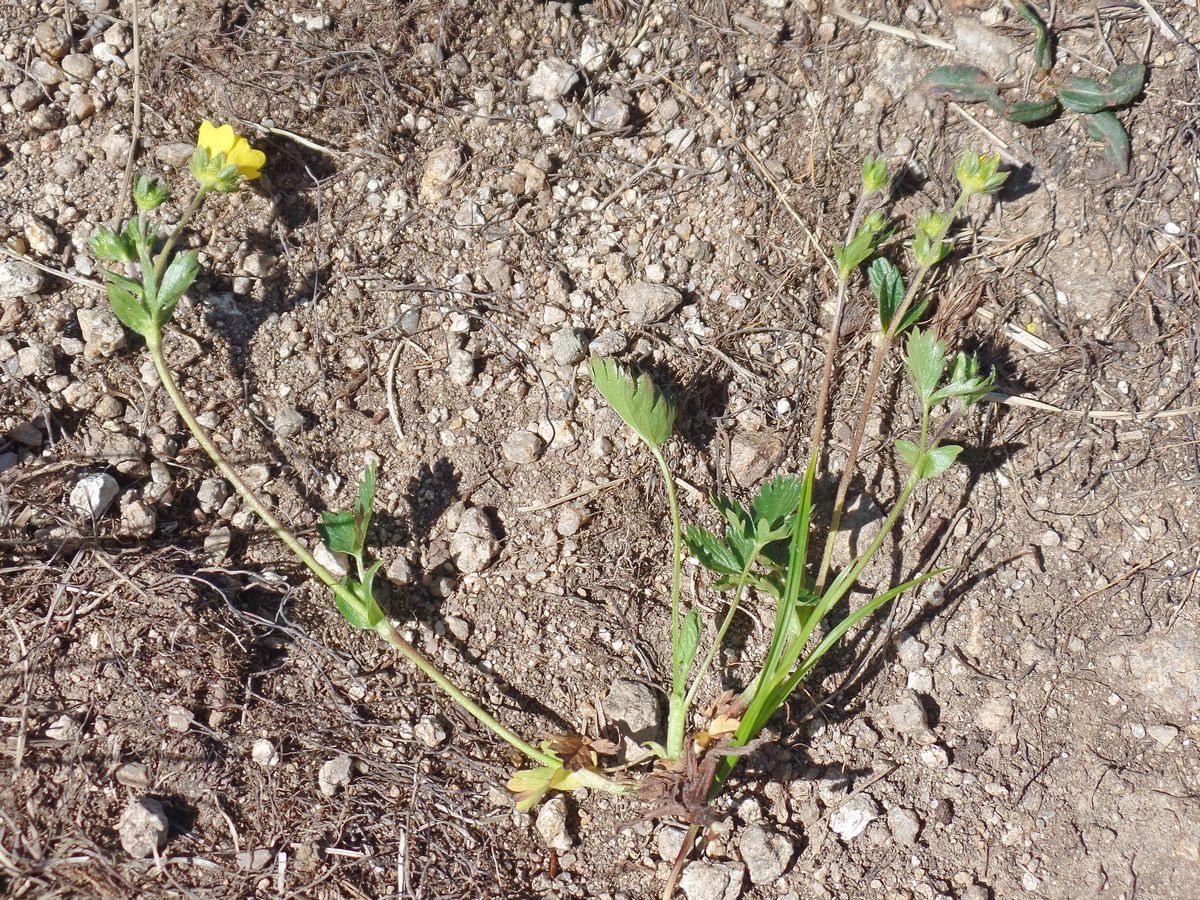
<point x="385" y="630"/>
<point x="164" y="255"/>
<point x="864" y="412"/>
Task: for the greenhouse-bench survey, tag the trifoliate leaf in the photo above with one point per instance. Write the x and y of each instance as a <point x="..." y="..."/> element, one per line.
<point x="644" y="407"/>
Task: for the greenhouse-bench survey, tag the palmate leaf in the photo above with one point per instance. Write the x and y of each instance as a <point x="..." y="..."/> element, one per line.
<point x="643" y="406"/>
<point x="774" y="507"/>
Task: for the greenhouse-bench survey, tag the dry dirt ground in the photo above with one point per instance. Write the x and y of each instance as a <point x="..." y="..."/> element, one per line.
<point x="446" y="222"/>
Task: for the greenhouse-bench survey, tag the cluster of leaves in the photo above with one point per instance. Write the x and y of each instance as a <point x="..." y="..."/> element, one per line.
<point x="346" y="532"/>
<point x="1094" y="100"/>
<point x="144" y="305"/>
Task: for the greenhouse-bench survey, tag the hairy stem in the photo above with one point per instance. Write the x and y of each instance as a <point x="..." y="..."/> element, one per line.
<point x="738" y="591"/>
<point x="385" y="630"/>
<point x="164" y="255"/>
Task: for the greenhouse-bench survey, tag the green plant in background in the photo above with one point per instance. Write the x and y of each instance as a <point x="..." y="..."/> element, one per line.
<point x="1092" y="99"/>
<point x="766" y="547"/>
<point x="144" y="297"/>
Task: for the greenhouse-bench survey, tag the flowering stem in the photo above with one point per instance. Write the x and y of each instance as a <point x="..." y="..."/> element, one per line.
<point x="385" y="629"/>
<point x="164" y="255"/>
<point x="860" y="427"/>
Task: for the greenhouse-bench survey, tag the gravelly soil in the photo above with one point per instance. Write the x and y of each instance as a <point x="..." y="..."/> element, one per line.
<point x="461" y="202"/>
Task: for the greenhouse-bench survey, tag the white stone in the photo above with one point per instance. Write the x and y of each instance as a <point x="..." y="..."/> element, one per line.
<point x="552" y="79"/>
<point x="94" y="493"/>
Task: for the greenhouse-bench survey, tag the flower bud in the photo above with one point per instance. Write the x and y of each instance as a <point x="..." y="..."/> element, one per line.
<point x="978" y="174"/>
<point x="107" y="244"/>
<point x="149" y="193"/>
<point x="875" y="175"/>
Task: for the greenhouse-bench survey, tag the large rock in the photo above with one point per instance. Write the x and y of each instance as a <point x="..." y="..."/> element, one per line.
<point x="647" y="303"/>
<point x="766" y="853"/>
<point x="18" y="278"/>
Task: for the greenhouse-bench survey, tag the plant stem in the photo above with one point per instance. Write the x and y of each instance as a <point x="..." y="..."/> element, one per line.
<point x="860" y="427"/>
<point x="164" y="255"/>
<point x="835" y="330"/>
<point x="738" y="591"/>
<point x="386" y="630"/>
<point x="677" y="713"/>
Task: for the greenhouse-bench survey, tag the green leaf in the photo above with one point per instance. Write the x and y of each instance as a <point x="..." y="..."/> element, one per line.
<point x="1027" y="112"/>
<point x="1125" y="83"/>
<point x="346" y="531"/>
<point x="966" y="84"/>
<point x="644" y="407"/>
<point x="1086" y="95"/>
<point x="352" y="608"/>
<point x="925" y="359"/>
<point x="175" y="281"/>
<point x="689" y="640"/>
<point x="909" y="452"/>
<point x="129" y="309"/>
<point x="714" y="554"/>
<point x="939" y="459"/>
<point x="364" y="505"/>
<point x="337" y="531"/>
<point x="965" y="381"/>
<point x="852" y="255"/>
<point x="1108" y="130"/>
<point x="887" y="284"/>
<point x="1043" y="56"/>
<point x="776" y="501"/>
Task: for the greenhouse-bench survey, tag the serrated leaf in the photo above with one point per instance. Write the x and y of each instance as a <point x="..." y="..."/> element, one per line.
<point x="966" y="84"/>
<point x="776" y="501"/>
<point x="733" y="513"/>
<point x="1108" y="130"/>
<point x="909" y="452"/>
<point x="175" y="281"/>
<point x="887" y="284"/>
<point x="939" y="459"/>
<point x="712" y="552"/>
<point x="643" y="406"/>
<point x="129" y="309"/>
<point x="925" y="359"/>
<point x="1084" y="95"/>
<point x="689" y="640"/>
<point x="1028" y="112"/>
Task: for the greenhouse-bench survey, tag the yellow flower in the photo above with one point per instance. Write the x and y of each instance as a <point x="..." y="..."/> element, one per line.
<point x="224" y="158"/>
<point x="236" y="148"/>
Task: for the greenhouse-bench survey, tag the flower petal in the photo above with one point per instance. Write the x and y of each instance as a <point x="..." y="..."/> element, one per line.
<point x="216" y="140"/>
<point x="248" y="160"/>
